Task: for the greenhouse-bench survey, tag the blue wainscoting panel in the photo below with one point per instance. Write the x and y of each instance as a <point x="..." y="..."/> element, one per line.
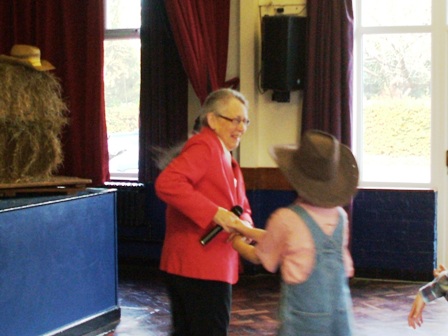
<point x="394" y="234"/>
<point x="58" y="262"/>
<point x="265" y="202"/>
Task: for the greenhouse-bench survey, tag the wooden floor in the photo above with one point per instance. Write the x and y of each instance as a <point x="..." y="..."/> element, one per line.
<point x="380" y="307"/>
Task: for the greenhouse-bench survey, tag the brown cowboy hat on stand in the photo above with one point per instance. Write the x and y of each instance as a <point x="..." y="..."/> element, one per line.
<point x="321" y="170"/>
<point x="28" y="56"/>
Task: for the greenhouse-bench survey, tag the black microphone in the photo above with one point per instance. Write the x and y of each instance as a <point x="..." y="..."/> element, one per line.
<point x="237" y="210"/>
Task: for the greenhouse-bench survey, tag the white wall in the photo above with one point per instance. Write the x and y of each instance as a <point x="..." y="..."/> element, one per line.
<point x="271" y="122"/>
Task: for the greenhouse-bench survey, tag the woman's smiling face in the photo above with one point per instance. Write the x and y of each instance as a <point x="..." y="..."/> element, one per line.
<point x="230" y="122"/>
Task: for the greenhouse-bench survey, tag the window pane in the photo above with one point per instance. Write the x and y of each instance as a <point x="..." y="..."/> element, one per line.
<point x="396" y="108"/>
<point x="395" y="13"/>
<point x="122" y="97"/>
<point x="122" y="14"/>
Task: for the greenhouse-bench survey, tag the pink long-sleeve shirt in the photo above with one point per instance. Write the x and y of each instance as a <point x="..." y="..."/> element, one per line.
<point x="288" y="243"/>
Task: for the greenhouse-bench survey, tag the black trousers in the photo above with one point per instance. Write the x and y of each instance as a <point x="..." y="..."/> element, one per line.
<point x="199" y="307"/>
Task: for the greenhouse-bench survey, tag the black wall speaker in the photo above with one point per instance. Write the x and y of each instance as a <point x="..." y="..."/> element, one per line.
<point x="283" y="52"/>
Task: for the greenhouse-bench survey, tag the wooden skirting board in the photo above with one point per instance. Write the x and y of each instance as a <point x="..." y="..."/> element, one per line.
<point x="265" y="179"/>
<point x="55" y="185"/>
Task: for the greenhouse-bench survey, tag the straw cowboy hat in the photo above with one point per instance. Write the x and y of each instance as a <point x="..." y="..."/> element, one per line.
<point x="321" y="170"/>
<point x="28" y="56"/>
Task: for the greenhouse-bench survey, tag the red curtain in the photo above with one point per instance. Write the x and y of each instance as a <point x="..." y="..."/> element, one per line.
<point x="70" y="35"/>
<point x="201" y="32"/>
<point x="327" y="103"/>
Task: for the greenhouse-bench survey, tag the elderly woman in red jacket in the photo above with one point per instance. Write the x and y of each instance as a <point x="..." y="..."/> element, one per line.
<point x="200" y="186"/>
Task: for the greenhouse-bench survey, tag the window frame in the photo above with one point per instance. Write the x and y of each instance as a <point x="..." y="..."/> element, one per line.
<point x="358" y="118"/>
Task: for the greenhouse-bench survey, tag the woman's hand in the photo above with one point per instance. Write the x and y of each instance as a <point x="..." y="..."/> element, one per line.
<point x="226" y="219"/>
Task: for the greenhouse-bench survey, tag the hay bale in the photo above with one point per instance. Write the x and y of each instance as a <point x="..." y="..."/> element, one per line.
<point x="32" y="115"/>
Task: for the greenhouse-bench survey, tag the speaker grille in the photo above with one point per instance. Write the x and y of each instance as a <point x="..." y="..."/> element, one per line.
<point x="283" y="52"/>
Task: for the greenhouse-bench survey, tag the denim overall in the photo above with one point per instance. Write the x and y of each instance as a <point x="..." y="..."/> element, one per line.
<point x="321" y="306"/>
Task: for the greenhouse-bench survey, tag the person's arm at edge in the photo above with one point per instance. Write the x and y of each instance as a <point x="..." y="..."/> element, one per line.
<point x="415" y="317"/>
<point x="429" y="292"/>
<point x="347" y="257"/>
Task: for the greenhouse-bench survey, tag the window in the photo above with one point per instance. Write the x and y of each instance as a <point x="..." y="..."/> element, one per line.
<point x="393" y="65"/>
<point x="122" y="86"/>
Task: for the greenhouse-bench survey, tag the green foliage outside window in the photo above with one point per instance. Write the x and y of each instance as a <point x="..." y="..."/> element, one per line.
<point x="397" y="127"/>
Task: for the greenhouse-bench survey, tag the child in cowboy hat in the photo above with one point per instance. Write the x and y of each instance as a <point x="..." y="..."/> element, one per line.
<point x="308" y="239"/>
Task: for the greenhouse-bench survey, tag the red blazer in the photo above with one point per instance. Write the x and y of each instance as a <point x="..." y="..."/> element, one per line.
<point x="193" y="186"/>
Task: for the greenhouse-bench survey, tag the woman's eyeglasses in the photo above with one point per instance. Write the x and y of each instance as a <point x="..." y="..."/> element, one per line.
<point x="235" y="121"/>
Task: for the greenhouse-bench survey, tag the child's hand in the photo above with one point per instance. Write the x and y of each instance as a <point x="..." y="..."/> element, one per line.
<point x="233" y="236"/>
<point x="415" y="317"/>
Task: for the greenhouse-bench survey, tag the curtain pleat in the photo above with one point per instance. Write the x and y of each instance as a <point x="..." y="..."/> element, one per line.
<point x="164" y="89"/>
<point x="327" y="103"/>
<point x="201" y="32"/>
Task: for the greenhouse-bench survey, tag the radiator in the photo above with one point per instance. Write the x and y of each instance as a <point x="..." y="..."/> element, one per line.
<point x="140" y="214"/>
<point x="140" y="221"/>
<point x="131" y="204"/>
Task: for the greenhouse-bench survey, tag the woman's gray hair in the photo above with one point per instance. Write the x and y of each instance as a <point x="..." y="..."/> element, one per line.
<point x="215" y="102"/>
